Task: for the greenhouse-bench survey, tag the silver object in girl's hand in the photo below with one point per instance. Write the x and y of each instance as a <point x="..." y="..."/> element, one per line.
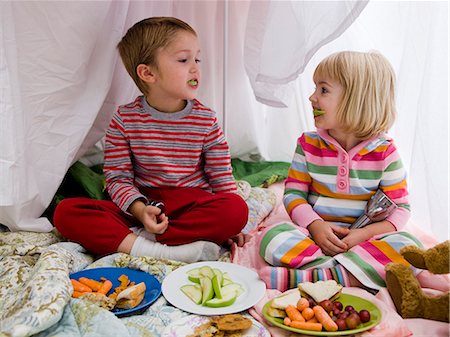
<point x="378" y="208"/>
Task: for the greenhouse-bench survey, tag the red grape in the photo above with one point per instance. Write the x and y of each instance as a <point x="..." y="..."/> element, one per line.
<point x="338" y="305"/>
<point x="364" y="316"/>
<point x="341" y="324"/>
<point x="349" y="308"/>
<point x="344" y="314"/>
<point x="352" y="321"/>
<point x="327" y="305"/>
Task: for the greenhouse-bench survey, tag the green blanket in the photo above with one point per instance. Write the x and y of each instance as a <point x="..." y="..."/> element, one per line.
<point x="259" y="174"/>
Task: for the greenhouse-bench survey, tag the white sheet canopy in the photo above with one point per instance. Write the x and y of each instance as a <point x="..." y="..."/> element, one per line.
<point x="61" y="80"/>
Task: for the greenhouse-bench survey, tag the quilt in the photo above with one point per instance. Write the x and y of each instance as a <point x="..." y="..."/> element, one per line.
<point x="35" y="289"/>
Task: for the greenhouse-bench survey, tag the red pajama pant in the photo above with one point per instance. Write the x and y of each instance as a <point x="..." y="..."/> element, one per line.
<point x="194" y="214"/>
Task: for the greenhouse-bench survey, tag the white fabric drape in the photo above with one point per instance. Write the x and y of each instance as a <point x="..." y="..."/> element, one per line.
<point x="61" y="80"/>
<point x="282" y="36"/>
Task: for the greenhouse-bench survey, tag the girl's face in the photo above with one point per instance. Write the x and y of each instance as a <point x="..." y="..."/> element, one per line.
<point x="177" y="76"/>
<point x="326" y="97"/>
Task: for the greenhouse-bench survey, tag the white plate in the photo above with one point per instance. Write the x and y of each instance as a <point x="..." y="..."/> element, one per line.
<point x="254" y="288"/>
<point x="186" y="325"/>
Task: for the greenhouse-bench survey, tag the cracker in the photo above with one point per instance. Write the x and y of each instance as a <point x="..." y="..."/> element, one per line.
<point x="233" y="322"/>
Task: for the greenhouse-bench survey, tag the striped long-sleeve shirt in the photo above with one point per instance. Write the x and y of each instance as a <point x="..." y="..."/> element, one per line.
<point x="148" y="148"/>
<point x="326" y="182"/>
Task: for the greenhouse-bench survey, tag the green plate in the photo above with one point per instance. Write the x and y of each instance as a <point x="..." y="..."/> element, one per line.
<point x="357" y="302"/>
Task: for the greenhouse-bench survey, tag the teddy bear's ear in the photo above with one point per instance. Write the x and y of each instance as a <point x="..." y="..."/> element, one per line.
<point x="435" y="259"/>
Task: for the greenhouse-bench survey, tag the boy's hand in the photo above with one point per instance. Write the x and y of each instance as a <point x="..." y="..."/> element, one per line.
<point x="326" y="236"/>
<point x="240" y="239"/>
<point x="154" y="221"/>
<point x="151" y="217"/>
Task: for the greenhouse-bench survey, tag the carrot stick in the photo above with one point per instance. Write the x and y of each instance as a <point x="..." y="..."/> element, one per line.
<point x="294" y="314"/>
<point x="323" y="317"/>
<point x="307" y="313"/>
<point x="77" y="286"/>
<point x="93" y="284"/>
<point x="77" y="294"/>
<point x="306" y="326"/>
<point x="106" y="286"/>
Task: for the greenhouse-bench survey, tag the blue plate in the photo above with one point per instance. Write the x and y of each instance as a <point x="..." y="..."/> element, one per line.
<point x="152" y="292"/>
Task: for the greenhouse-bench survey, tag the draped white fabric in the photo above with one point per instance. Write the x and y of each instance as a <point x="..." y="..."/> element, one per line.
<point x="61" y="80"/>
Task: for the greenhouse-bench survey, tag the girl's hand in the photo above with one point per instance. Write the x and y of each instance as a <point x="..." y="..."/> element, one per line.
<point x="325" y="235"/>
<point x="358" y="235"/>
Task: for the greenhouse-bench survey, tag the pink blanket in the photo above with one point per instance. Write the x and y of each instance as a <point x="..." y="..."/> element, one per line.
<point x="391" y="323"/>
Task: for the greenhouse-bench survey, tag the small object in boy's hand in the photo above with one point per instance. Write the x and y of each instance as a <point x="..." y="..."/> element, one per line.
<point x="159" y="204"/>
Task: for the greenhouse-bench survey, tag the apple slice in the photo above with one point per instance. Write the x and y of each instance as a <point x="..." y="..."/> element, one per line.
<point x="207" y="289"/>
<point x="232" y="288"/>
<point x="225" y="301"/>
<point x="194" y="275"/>
<point x="193" y="291"/>
<point x="207" y="271"/>
<point x="216" y="286"/>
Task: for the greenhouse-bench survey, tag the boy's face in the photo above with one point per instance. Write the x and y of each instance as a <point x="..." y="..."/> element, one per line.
<point x="177" y="76"/>
<point x="326" y="97"/>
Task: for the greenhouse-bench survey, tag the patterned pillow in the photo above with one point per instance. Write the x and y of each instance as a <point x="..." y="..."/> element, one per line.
<point x="260" y="202"/>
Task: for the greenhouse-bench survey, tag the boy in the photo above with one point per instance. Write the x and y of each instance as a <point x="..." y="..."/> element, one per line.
<point x="164" y="146"/>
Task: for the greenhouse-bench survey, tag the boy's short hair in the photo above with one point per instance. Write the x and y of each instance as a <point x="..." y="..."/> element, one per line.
<point x="368" y="100"/>
<point x="144" y="39"/>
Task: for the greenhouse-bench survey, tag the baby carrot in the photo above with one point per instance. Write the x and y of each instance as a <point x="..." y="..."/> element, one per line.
<point x="106" y="286"/>
<point x="323" y="317"/>
<point x="294" y="314"/>
<point x="307" y="313"/>
<point x="302" y="304"/>
<point x="312" y="320"/>
<point x="77" y="294"/>
<point x="93" y="284"/>
<point x="306" y="326"/>
<point x="82" y="288"/>
<point x="287" y="321"/>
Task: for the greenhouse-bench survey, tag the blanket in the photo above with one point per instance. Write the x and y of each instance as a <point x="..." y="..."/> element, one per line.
<point x="35" y="289"/>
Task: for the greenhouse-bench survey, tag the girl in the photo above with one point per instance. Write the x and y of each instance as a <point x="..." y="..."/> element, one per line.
<point x="334" y="173"/>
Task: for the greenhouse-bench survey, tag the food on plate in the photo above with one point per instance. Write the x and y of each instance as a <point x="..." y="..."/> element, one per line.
<point x="326" y="316"/>
<point x="231" y="325"/>
<point x="131" y="296"/>
<point x="289" y="297"/>
<point x="99" y="299"/>
<point x="124" y="283"/>
<point x="127" y="295"/>
<point x="320" y="290"/>
<point x="93" y="284"/>
<point x="80" y="287"/>
<point x="233" y="322"/>
<point x="211" y="287"/>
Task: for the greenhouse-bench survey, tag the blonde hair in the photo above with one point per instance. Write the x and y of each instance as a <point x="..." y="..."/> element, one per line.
<point x="142" y="42"/>
<point x="367" y="107"/>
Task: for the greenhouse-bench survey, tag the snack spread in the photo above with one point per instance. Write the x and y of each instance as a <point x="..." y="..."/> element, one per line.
<point x="127" y="295"/>
<point x="316" y="307"/>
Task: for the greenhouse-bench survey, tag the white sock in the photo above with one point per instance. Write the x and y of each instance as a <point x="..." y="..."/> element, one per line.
<point x="191" y="252"/>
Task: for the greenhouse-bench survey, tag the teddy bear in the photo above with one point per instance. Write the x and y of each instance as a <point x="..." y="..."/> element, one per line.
<point x="406" y="292"/>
